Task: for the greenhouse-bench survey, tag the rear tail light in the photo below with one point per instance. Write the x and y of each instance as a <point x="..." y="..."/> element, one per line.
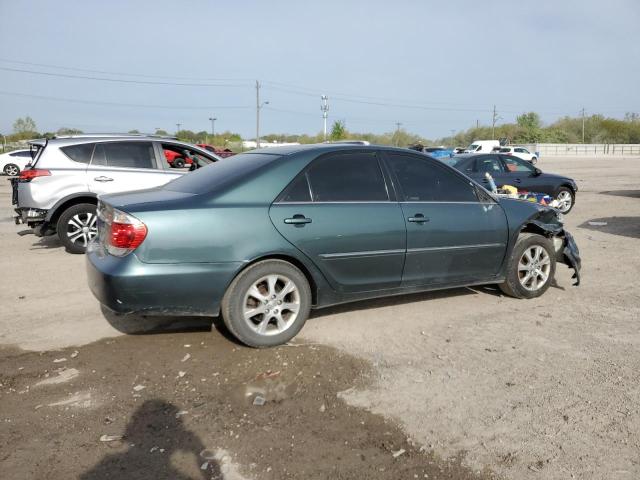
<point x="31" y="173"/>
<point x="123" y="233"/>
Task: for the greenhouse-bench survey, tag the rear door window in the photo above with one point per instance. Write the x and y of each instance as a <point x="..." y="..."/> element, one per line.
<point x="347" y="177"/>
<point x="125" y="155"/>
<point x="79" y="153"/>
<point x="490" y="164"/>
<point x="423" y="180"/>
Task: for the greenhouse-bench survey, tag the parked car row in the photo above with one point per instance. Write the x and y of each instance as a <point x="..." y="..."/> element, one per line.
<point x="12" y="163"/>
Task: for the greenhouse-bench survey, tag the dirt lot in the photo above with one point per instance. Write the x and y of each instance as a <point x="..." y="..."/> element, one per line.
<point x="469" y="383"/>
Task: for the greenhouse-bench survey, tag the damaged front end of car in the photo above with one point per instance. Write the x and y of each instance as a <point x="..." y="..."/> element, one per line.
<point x="549" y="222"/>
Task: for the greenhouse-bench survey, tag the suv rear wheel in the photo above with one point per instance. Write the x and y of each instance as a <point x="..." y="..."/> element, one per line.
<point x="77" y="226"/>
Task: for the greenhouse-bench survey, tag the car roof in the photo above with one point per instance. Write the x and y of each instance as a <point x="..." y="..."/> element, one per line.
<point x="325" y="147"/>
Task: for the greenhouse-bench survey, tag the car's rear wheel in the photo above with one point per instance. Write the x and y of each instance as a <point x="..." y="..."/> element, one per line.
<point x="77" y="226"/>
<point x="531" y="267"/>
<point x="267" y="304"/>
<point x="566" y="199"/>
<point x="11" y="169"/>
<point x="178" y="163"/>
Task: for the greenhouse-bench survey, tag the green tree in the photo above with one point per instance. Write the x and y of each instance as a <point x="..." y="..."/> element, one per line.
<point x="68" y="131"/>
<point x="133" y="131"/>
<point x="338" y="131"/>
<point x="24" y="125"/>
<point x="161" y="132"/>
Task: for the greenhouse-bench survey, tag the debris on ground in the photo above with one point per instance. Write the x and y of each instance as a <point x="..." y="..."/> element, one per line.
<point x="399" y="452"/>
<point x="181" y="374"/>
<point x="59" y="360"/>
<point x="259" y="400"/>
<point x="63" y="376"/>
<point x="186" y="357"/>
<point x="267" y="374"/>
<point x="137" y="388"/>
<point x="110" y="438"/>
<point x="598" y="224"/>
<point x="74" y="354"/>
<point x="322" y="408"/>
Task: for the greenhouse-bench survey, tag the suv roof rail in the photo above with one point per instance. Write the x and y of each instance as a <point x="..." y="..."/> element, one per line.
<point x="119" y="135"/>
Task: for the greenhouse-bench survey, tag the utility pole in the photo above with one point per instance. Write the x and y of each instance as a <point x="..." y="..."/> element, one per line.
<point x="324" y="107"/>
<point x="453" y="133"/>
<point x="493" y="125"/>
<point x="398" y="125"/>
<point x="213" y="126"/>
<point x="178" y="125"/>
<point x="583" y="125"/>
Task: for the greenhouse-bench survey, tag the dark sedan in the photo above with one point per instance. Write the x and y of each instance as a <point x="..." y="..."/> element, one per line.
<point x="267" y="235"/>
<point x="510" y="170"/>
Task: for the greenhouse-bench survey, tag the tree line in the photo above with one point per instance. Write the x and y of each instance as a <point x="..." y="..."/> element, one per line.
<point x="528" y="128"/>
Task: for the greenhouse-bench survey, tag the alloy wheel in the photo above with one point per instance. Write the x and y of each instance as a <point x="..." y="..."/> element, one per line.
<point x="82" y="228"/>
<point x="271" y="305"/>
<point x="565" y="201"/>
<point x="534" y="268"/>
<point x="11" y="170"/>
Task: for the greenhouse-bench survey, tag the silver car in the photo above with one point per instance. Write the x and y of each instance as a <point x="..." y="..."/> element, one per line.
<point x="58" y="194"/>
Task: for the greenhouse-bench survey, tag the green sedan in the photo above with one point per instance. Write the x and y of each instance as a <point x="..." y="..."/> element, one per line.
<point x="262" y="237"/>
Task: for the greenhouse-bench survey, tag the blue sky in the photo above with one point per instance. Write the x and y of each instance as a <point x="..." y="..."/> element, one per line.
<point x="435" y="66"/>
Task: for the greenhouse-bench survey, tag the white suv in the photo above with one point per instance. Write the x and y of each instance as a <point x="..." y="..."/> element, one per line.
<point x="520" y="152"/>
<point x="58" y="194"/>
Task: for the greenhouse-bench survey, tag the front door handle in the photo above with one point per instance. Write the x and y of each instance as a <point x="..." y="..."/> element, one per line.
<point x="418" y="218"/>
<point x="103" y="179"/>
<point x="297" y="219"/>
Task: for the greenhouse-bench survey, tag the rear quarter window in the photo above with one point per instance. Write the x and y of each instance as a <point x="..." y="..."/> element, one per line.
<point x="79" y="153"/>
<point x="221" y="173"/>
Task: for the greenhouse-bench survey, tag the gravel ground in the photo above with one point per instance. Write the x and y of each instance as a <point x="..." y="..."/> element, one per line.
<point x="546" y="388"/>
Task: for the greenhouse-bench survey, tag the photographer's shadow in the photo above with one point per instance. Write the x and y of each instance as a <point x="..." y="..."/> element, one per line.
<point x="154" y="434"/>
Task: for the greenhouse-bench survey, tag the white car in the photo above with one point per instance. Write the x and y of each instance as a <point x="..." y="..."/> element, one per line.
<point x="13" y="163"/>
<point x="520" y="152"/>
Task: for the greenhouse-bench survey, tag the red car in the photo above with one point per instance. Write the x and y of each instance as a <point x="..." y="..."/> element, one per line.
<point x="176" y="159"/>
<point x="221" y="152"/>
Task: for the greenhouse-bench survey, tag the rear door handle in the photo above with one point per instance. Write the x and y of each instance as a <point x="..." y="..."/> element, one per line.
<point x="418" y="218"/>
<point x="297" y="219"/>
<point x="103" y="179"/>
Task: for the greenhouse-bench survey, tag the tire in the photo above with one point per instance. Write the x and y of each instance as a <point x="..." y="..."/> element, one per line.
<point x="534" y="160"/>
<point x="518" y="282"/>
<point x="266" y="300"/>
<point x="567" y="198"/>
<point x="11" y="169"/>
<point x="178" y="163"/>
<point x="77" y="226"/>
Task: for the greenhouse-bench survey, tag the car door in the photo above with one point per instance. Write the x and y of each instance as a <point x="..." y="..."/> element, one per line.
<point x="121" y="166"/>
<point x="525" y="176"/>
<point x="340" y="214"/>
<point x="452" y="236"/>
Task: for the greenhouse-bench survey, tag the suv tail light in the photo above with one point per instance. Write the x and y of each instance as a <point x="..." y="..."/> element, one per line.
<point x="30" y="174"/>
<point x="123" y="233"/>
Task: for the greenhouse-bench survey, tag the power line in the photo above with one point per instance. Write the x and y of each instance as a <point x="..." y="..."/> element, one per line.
<point x="116" y="104"/>
<point x="119" y="80"/>
<point x="125" y="74"/>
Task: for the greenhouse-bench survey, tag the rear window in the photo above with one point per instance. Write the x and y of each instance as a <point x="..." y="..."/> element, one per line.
<point x="79" y="153"/>
<point x="221" y="173"/>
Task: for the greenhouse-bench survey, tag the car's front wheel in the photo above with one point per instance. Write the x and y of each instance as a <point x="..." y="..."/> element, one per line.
<point x="566" y="199"/>
<point x="178" y="163"/>
<point x="77" y="226"/>
<point x="267" y="304"/>
<point x="11" y="169"/>
<point x="531" y="267"/>
<point x="534" y="160"/>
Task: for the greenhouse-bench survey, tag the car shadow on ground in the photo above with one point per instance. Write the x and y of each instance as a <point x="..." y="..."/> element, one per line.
<point x="405" y="299"/>
<point x="156" y="432"/>
<point x="622" y="193"/>
<point x="136" y="324"/>
<point x="48" y="242"/>
<point x="624" y="226"/>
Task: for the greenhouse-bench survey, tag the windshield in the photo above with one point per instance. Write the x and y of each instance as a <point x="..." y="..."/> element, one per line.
<point x="473" y="146"/>
<point x="221" y="173"/>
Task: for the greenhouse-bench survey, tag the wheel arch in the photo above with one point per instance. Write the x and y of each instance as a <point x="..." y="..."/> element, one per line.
<point x="296" y="262"/>
<point x="61" y="205"/>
